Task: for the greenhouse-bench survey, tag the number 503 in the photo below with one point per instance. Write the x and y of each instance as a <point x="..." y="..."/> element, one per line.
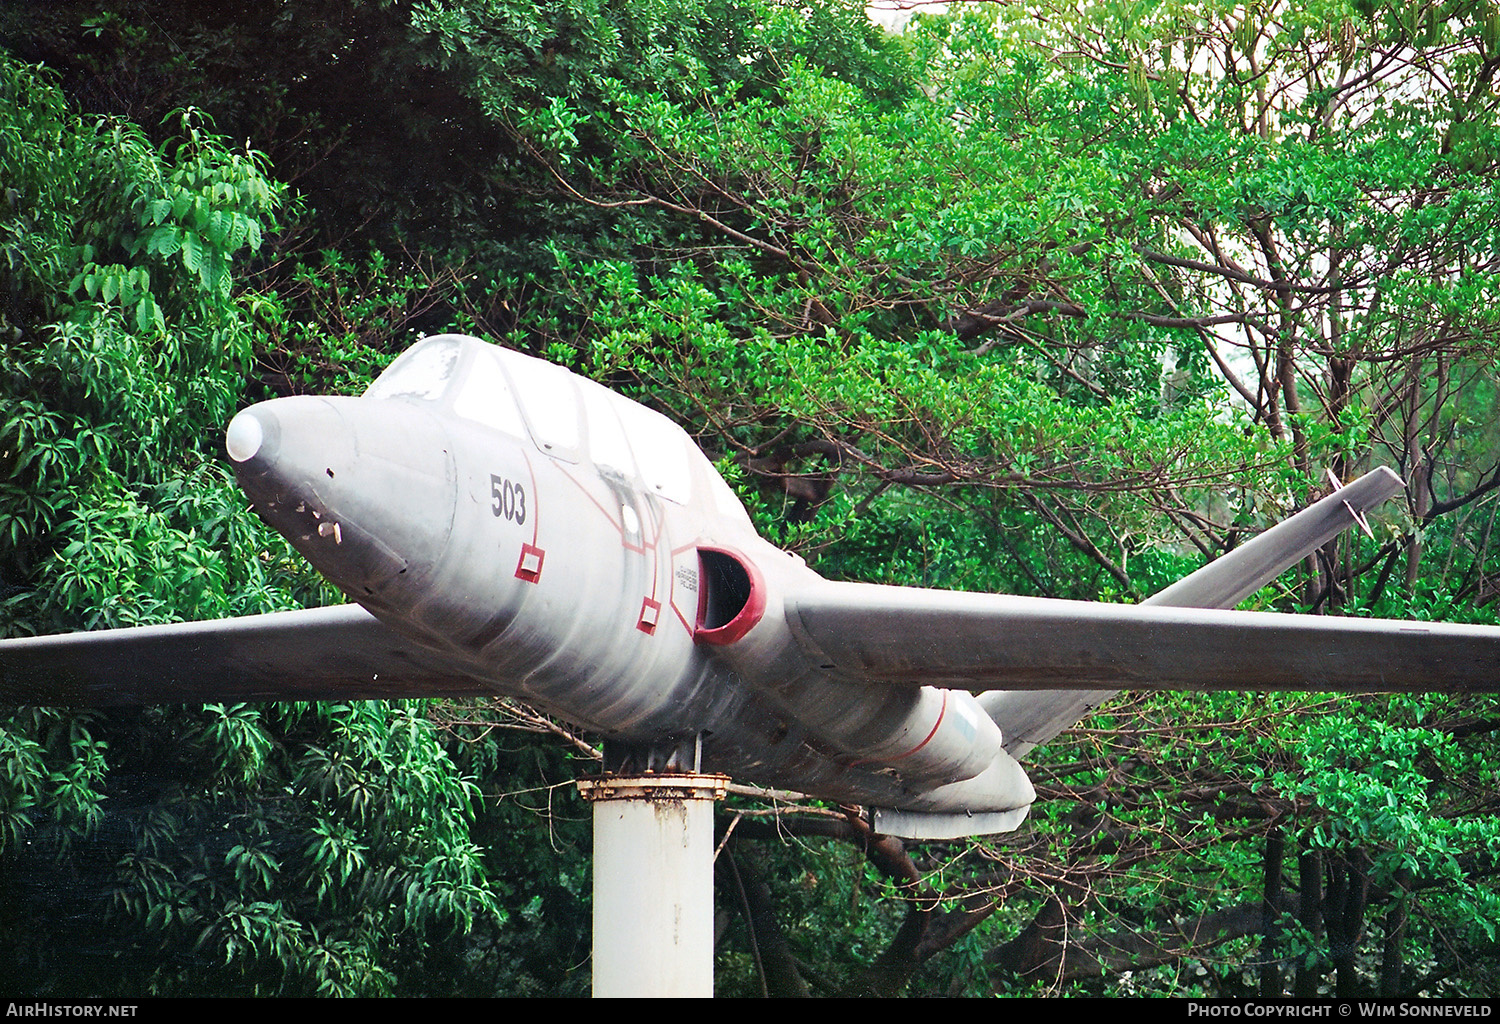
<point x="510" y="499"/>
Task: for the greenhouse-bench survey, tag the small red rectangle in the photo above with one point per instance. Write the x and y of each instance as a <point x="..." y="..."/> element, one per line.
<point x="529" y="568"/>
<point x="650" y="616"/>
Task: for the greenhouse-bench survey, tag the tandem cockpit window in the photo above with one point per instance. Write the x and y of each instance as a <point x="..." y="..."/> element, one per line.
<point x="485" y="396"/>
<point x="523" y="396"/>
<point x="422" y="371"/>
<point x="427" y="371"/>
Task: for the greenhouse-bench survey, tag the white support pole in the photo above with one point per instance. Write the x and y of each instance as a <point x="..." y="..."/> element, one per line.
<point x="653" y="883"/>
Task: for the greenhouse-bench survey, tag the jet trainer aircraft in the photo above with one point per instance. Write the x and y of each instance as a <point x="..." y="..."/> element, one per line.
<point x="505" y="527"/>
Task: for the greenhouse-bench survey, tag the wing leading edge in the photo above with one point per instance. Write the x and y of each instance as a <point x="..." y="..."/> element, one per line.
<point x="983" y="642"/>
<point x="1039" y="665"/>
<point x="1030" y="718"/>
<point x="338" y="653"/>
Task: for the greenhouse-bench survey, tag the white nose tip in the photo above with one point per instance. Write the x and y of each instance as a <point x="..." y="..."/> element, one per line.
<point x="244" y="436"/>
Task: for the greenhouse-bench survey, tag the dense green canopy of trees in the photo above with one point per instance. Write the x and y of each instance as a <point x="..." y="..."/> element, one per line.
<point x="1056" y="299"/>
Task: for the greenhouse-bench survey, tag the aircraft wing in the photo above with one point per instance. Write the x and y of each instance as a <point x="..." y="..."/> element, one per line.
<point x="1030" y="717"/>
<point x="338" y="653"/>
<point x="984" y="642"/>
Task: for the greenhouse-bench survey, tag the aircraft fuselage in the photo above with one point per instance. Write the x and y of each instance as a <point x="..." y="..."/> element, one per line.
<point x="576" y="551"/>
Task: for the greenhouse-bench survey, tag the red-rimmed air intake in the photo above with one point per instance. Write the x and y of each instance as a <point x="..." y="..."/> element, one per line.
<point x="731" y="596"/>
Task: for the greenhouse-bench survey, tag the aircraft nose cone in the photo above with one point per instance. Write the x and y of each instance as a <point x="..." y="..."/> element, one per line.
<point x="365" y="494"/>
<point x="245" y="436"/>
<point x="274" y="444"/>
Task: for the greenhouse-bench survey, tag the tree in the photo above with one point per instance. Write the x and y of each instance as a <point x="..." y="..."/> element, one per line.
<point x="1064" y="201"/>
<point x="231" y="849"/>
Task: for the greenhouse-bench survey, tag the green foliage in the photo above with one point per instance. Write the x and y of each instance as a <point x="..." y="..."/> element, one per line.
<point x="121" y="351"/>
<point x="306" y="850"/>
<point x="302" y="850"/>
<point x="1061" y="299"/>
<point x="1372" y="780"/>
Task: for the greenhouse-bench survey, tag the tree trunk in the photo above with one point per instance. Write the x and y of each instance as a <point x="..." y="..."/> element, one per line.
<point x="1344" y="910"/>
<point x="1270" y="964"/>
<point x="780" y="977"/>
<point x="1310" y="915"/>
<point x="1392" y="958"/>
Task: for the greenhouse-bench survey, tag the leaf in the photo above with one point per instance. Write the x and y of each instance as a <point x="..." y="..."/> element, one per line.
<point x="146" y="314"/>
<point x="192" y="252"/>
<point x="166" y="241"/>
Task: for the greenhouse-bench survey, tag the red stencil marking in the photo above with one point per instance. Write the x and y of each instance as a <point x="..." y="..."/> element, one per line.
<point x="529" y="568"/>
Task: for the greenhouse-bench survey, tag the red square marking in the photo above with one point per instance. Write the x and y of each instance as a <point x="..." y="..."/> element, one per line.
<point x="650" y="616"/>
<point x="529" y="568"/>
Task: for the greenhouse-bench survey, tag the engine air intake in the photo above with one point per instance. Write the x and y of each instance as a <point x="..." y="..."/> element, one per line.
<point x="731" y="597"/>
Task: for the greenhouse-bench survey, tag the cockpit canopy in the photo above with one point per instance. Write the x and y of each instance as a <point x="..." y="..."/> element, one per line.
<point x="566" y="416"/>
<point x="422" y="371"/>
